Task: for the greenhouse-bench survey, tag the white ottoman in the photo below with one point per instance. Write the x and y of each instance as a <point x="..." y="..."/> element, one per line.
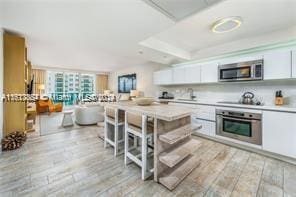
<point x="67" y="120"/>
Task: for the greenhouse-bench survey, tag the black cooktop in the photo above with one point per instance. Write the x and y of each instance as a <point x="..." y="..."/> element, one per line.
<point x="239" y="103"/>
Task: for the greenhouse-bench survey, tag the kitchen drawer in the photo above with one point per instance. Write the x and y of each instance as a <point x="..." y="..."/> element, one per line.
<point x="192" y="106"/>
<point x="201" y="111"/>
<point x="205" y="112"/>
<point x="207" y="127"/>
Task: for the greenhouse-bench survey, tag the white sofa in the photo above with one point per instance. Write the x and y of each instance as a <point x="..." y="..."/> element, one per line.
<point x="89" y="114"/>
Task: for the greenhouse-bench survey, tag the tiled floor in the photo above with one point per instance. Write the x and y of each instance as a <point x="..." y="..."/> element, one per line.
<point x="76" y="164"/>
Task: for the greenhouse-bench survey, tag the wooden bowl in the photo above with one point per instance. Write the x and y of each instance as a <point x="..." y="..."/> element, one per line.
<point x="143" y="101"/>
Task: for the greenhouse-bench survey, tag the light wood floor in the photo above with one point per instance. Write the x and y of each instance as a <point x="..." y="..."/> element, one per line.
<point x="76" y="164"/>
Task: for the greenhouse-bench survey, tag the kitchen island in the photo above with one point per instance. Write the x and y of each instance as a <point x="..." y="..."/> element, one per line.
<point x="173" y="145"/>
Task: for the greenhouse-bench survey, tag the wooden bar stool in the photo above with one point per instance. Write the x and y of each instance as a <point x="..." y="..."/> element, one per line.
<point x="114" y="137"/>
<point x="138" y="127"/>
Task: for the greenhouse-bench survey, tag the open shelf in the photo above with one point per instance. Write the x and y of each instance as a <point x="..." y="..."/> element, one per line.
<point x="173" y="176"/>
<point x="173" y="157"/>
<point x="176" y="135"/>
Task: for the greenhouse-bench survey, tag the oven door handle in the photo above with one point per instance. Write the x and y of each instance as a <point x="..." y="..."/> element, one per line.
<point x="241" y="119"/>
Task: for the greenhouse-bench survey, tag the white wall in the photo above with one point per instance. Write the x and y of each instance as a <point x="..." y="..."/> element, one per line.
<point x="144" y="78"/>
<point x="265" y="91"/>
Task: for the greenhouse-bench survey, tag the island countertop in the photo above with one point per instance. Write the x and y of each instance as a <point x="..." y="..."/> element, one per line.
<point x="155" y="110"/>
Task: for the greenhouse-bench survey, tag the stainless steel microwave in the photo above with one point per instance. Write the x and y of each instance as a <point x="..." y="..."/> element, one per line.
<point x="242" y="71"/>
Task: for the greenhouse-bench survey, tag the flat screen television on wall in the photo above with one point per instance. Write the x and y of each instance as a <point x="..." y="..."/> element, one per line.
<point x="126" y="83"/>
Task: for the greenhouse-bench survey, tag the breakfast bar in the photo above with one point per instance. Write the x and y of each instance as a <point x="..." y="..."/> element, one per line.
<point x="173" y="145"/>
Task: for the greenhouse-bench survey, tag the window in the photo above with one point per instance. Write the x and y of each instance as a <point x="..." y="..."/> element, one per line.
<point x="61" y="85"/>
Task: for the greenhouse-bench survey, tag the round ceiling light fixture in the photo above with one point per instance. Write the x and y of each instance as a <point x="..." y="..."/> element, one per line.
<point x="227" y="24"/>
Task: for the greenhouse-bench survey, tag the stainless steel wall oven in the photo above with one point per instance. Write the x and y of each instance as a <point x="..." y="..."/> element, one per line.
<point x="243" y="126"/>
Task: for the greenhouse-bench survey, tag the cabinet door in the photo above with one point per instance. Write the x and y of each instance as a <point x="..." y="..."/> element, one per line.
<point x="163" y="77"/>
<point x="179" y="75"/>
<point x="241" y="59"/>
<point x="294" y="64"/>
<point x="205" y="112"/>
<point x="157" y="77"/>
<point x="191" y="106"/>
<point x="167" y="76"/>
<point x="279" y="134"/>
<point x="277" y="64"/>
<point x="207" y="127"/>
<point x="209" y="72"/>
<point x="192" y="74"/>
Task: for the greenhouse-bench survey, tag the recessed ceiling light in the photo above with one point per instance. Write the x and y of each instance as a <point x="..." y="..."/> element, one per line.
<point x="227" y="24"/>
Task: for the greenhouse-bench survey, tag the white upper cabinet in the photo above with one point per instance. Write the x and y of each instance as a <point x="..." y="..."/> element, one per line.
<point x="279" y="134"/>
<point x="192" y="74"/>
<point x="209" y="72"/>
<point x="186" y="75"/>
<point x="277" y="64"/>
<point x="294" y="63"/>
<point x="179" y="75"/>
<point x="241" y="59"/>
<point x="163" y="77"/>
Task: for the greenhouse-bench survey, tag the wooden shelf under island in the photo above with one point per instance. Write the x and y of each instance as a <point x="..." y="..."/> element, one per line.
<point x="176" y="155"/>
<point x="171" y="177"/>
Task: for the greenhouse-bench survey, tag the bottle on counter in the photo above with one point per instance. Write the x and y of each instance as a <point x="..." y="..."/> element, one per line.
<point x="279" y="99"/>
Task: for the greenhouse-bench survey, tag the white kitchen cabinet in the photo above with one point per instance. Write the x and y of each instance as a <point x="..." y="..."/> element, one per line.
<point x="191" y="106"/>
<point x="277" y="64"/>
<point x="202" y="115"/>
<point x="179" y="75"/>
<point x="294" y="63"/>
<point x="238" y="59"/>
<point x="279" y="133"/>
<point x="205" y="115"/>
<point x="163" y="77"/>
<point x="186" y="75"/>
<point x="192" y="74"/>
<point x="207" y="127"/>
<point x="205" y="112"/>
<point x="209" y="72"/>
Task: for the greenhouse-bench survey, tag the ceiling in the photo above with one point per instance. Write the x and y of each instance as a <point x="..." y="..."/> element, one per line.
<point x="105" y="35"/>
<point x="180" y="9"/>
<point x="99" y="35"/>
<point x="259" y="18"/>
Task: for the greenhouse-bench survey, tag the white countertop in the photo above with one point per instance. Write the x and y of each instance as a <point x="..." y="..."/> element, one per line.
<point x="284" y="108"/>
<point x="159" y="111"/>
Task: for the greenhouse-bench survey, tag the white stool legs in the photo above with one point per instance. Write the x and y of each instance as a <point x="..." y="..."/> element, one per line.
<point x="144" y="147"/>
<point x="112" y="138"/>
<point x="142" y="134"/>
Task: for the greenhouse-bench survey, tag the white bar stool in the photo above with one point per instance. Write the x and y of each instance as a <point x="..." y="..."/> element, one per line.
<point x="114" y="137"/>
<point x="138" y="127"/>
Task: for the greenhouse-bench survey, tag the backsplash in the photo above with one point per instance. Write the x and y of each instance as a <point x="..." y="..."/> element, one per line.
<point x="264" y="91"/>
